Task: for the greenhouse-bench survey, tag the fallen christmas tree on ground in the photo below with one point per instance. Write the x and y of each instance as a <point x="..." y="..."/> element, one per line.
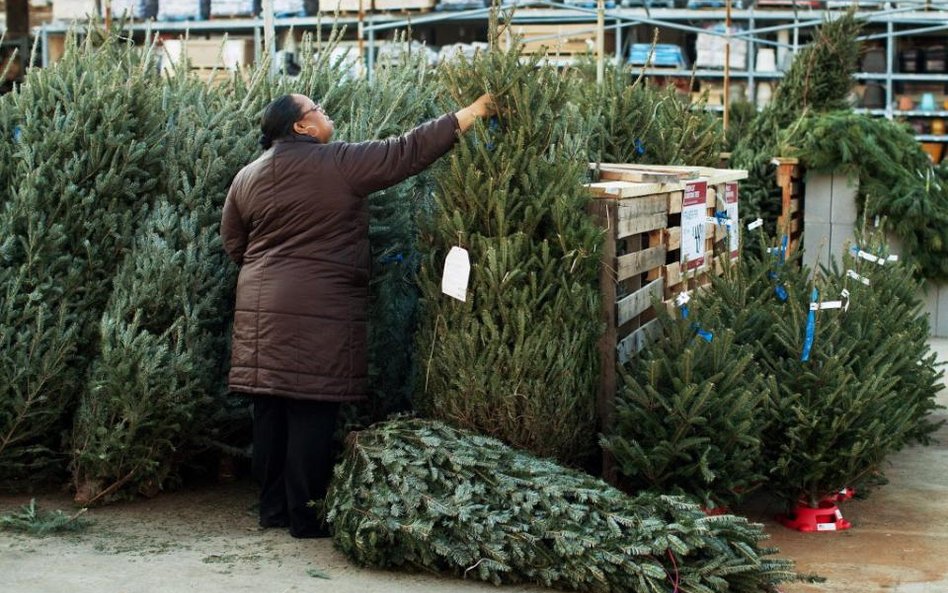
<point x="417" y="494"/>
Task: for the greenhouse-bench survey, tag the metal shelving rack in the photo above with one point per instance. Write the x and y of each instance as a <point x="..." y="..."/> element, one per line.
<point x="898" y="19"/>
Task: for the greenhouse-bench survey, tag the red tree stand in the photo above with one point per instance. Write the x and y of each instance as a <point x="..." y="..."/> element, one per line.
<point x="826" y="517"/>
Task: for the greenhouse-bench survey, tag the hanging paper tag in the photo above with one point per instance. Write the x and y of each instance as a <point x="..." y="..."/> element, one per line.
<point x="826" y="305"/>
<point x="852" y="274"/>
<point x="755" y="225"/>
<point x="682" y="298"/>
<point x="845" y="295"/>
<point x="893" y="257"/>
<point x="457" y="270"/>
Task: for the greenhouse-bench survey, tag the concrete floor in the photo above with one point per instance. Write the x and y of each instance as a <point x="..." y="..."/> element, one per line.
<point x="206" y="541"/>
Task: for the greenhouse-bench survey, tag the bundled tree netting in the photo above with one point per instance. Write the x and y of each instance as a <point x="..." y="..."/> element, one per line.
<point x="415" y="494"/>
<point x="690" y="412"/>
<point x="517" y="359"/>
<point x="819" y="80"/>
<point x="86" y="152"/>
<point x="644" y="123"/>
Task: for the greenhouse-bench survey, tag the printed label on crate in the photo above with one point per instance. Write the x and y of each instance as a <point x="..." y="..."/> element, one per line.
<point x="694" y="231"/>
<point x="826" y="526"/>
<point x="734" y="230"/>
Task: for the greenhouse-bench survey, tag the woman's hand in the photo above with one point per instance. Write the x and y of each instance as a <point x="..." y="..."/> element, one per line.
<point x="482" y="107"/>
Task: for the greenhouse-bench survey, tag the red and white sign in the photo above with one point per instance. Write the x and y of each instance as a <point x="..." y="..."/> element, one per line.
<point x="694" y="228"/>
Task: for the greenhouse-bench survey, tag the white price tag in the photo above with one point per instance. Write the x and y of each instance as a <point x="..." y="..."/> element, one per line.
<point x="682" y="299"/>
<point x="852" y="274"/>
<point x="755" y="225"/>
<point x="893" y="257"/>
<point x="457" y="271"/>
<point x="869" y="257"/>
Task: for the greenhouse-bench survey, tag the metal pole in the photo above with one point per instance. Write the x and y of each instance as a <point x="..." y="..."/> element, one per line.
<point x="889" y="67"/>
<point x="269" y="35"/>
<point x="727" y="62"/>
<point x="600" y="41"/>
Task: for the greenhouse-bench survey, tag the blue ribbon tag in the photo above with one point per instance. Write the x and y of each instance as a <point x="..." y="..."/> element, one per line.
<point x="810" y="327"/>
<point x="702" y="333"/>
<point x="684" y="312"/>
<point x="781" y="292"/>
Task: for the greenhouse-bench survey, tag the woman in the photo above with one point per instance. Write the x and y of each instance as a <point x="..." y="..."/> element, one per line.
<point x="296" y="222"/>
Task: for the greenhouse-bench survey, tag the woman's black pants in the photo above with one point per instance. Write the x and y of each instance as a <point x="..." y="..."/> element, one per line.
<point x="292" y="461"/>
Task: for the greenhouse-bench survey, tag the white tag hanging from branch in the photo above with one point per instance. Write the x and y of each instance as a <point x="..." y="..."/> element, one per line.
<point x="457" y="271"/>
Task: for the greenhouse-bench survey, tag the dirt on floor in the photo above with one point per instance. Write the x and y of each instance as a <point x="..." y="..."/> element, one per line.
<point x="206" y="540"/>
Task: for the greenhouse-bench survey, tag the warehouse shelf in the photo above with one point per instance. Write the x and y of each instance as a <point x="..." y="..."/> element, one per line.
<point x="783" y="30"/>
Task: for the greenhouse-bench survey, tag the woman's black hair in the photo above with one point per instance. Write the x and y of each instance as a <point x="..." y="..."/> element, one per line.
<point x="278" y="119"/>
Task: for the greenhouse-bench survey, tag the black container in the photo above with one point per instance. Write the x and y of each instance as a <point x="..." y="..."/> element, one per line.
<point x="910" y="60"/>
<point x="934" y="59"/>
<point x="874" y="60"/>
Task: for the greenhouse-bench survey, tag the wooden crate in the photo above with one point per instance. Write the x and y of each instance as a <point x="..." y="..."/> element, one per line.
<point x="554" y="38"/>
<point x="334" y="6"/>
<point x="641" y="209"/>
<point x="403" y="5"/>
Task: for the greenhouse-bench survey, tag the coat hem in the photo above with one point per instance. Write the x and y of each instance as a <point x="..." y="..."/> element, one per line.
<point x="324" y="397"/>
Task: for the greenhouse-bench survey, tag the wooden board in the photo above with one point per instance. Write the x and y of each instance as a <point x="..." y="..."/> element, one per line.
<point x="633" y="264"/>
<point x="673" y="238"/>
<point x="641" y="176"/>
<point x="675" y="199"/>
<point x="634" y="304"/>
<point x="679" y="172"/>
<point x="640" y="224"/>
<point x="637" y="340"/>
<point x="629" y="189"/>
<point x="642" y="205"/>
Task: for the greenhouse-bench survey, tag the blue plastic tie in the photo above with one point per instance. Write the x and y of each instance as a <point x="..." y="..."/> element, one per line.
<point x="684" y="311"/>
<point x="702" y="333"/>
<point x="639" y="146"/>
<point x="810" y="327"/>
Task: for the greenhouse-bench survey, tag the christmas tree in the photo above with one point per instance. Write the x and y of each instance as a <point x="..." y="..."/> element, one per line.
<point x="517" y="359"/>
<point x="848" y="385"/>
<point x="87" y="148"/>
<point x="416" y="494"/>
<point x="643" y="123"/>
<point x="689" y="414"/>
<point x="819" y="80"/>
<point x="156" y="387"/>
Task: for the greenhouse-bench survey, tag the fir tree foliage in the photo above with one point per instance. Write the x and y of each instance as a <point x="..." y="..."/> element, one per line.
<point x="87" y="148"/>
<point x="689" y="415"/>
<point x="517" y="360"/>
<point x="416" y="494"/>
<point x="156" y="388"/>
<point x="867" y="387"/>
<point x="819" y="80"/>
<point x="896" y="179"/>
<point x="644" y="123"/>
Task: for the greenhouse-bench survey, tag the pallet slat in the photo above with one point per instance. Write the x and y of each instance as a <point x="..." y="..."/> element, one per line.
<point x="640" y="224"/>
<point x="634" y="343"/>
<point x="637" y="302"/>
<point x="633" y="264"/>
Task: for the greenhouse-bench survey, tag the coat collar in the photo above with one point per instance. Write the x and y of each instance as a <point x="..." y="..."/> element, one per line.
<point x="294" y="137"/>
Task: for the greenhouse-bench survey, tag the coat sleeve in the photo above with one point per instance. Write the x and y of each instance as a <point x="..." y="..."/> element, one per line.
<point x="372" y="166"/>
<point x="233" y="226"/>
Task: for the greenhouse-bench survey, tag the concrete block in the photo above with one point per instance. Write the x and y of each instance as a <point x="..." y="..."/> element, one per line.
<point x="930" y="299"/>
<point x="844" y="208"/>
<point x="819" y="197"/>
<point x="940" y="326"/>
<point x="841" y="237"/>
<point x="816" y="240"/>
